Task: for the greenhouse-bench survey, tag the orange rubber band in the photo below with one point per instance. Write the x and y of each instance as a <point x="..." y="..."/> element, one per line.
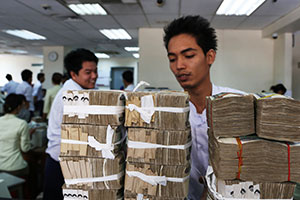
<point x="239" y="154"/>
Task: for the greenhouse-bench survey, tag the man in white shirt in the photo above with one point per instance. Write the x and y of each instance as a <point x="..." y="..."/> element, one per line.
<point x="11" y="86"/>
<point x="81" y="65"/>
<point x="51" y="93"/>
<point x="128" y="80"/>
<point x="191" y="45"/>
<point x="38" y="93"/>
<point x="25" y="88"/>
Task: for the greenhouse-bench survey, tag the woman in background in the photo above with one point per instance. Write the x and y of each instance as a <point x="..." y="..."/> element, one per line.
<point x="14" y="138"/>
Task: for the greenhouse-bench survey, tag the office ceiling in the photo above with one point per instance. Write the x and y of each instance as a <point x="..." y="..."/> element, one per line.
<point x="61" y="26"/>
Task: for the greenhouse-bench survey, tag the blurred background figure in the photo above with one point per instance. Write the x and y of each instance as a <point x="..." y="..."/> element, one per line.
<point x="26" y="89"/>
<point x="278" y="89"/>
<point x="64" y="78"/>
<point x="14" y="138"/>
<point x="9" y="87"/>
<point x="51" y="93"/>
<point x="128" y="80"/>
<point x="38" y="94"/>
<point x="24" y="112"/>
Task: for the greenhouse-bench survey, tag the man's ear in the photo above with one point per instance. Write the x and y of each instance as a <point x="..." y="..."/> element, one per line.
<point x="73" y="75"/>
<point x="210" y="56"/>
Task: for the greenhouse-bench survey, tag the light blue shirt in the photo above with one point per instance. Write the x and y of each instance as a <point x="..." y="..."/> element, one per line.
<point x="10" y="87"/>
<point x="55" y="119"/>
<point x="26" y="89"/>
<point x="199" y="154"/>
<point x="37" y="91"/>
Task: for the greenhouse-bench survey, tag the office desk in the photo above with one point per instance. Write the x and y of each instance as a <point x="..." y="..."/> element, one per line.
<point x="13" y="183"/>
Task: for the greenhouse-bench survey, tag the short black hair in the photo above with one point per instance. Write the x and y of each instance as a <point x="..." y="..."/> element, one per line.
<point x="195" y="26"/>
<point x="26" y="74"/>
<point x="278" y="87"/>
<point x="12" y="101"/>
<point x="8" y="77"/>
<point x="73" y="60"/>
<point x="128" y="76"/>
<point x="40" y="75"/>
<point x="56" y="78"/>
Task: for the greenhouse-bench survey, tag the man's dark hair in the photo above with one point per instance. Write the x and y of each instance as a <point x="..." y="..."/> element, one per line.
<point x="278" y="87"/>
<point x="128" y="76"/>
<point x="40" y="75"/>
<point x="56" y="78"/>
<point x="12" y="101"/>
<point x="8" y="77"/>
<point x="26" y="74"/>
<point x="73" y="60"/>
<point x="195" y="26"/>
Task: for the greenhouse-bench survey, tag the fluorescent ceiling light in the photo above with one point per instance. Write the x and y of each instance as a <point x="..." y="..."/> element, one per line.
<point x="240" y="7"/>
<point x="17" y="51"/>
<point x="132" y="48"/>
<point x="88" y="9"/>
<point x="116" y="34"/>
<point x="136" y="55"/>
<point x="102" y="55"/>
<point x="25" y="34"/>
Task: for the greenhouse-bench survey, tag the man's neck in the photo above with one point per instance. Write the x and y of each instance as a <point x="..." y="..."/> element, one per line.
<point x="198" y="95"/>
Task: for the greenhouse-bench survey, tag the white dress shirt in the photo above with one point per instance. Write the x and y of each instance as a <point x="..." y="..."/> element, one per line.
<point x="37" y="91"/>
<point x="199" y="153"/>
<point x="26" y="89"/>
<point x="129" y="87"/>
<point x="55" y="119"/>
<point x="10" y="87"/>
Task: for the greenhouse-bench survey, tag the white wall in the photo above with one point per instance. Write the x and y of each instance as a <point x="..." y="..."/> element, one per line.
<point x="104" y="66"/>
<point x="15" y="64"/>
<point x="296" y="68"/>
<point x="244" y="60"/>
<point x="283" y="60"/>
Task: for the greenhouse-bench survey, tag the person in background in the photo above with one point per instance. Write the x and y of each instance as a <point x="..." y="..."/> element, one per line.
<point x="81" y="65"/>
<point x="11" y="86"/>
<point x="14" y="138"/>
<point x="51" y="93"/>
<point x="24" y="112"/>
<point x="128" y="80"/>
<point x="25" y="89"/>
<point x="64" y="78"/>
<point x="191" y="46"/>
<point x="278" y="89"/>
<point x="38" y="93"/>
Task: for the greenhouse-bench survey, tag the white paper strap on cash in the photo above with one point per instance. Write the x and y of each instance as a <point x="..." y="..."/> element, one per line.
<point x="140" y="197"/>
<point x="94" y="179"/>
<point x="147" y="108"/>
<point x="146" y="145"/>
<point x="83" y="110"/>
<point x="106" y="149"/>
<point x="154" y="180"/>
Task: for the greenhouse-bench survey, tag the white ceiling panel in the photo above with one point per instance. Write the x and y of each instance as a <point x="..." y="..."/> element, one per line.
<point x="169" y="7"/>
<point x="119" y="9"/>
<point x="257" y="22"/>
<point x="101" y="22"/>
<point x="91" y="34"/>
<point x="132" y="21"/>
<point x="279" y="8"/>
<point x="160" y="20"/>
<point x="196" y="7"/>
<point x="48" y="7"/>
<point x="227" y="22"/>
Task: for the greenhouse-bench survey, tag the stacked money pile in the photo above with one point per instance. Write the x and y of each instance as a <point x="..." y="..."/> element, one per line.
<point x="277" y="118"/>
<point x="256" y="158"/>
<point x="230" y="114"/>
<point x="159" y="141"/>
<point x="236" y="189"/>
<point x="92" y="137"/>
